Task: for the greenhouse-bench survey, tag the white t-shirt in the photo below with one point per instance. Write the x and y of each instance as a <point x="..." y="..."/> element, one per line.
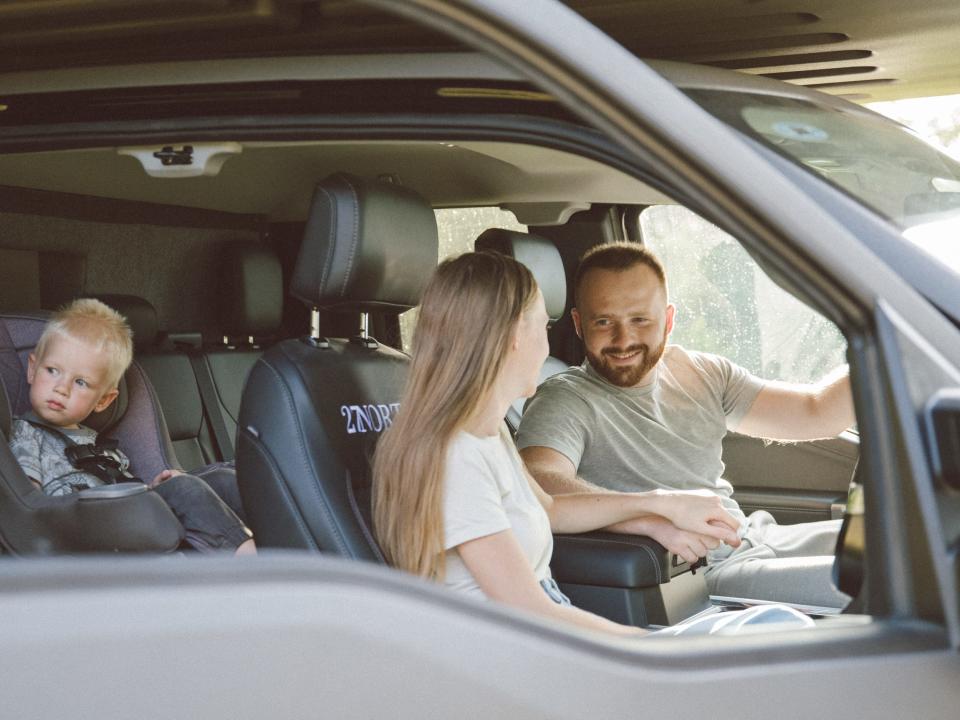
<point x="486" y="492"/>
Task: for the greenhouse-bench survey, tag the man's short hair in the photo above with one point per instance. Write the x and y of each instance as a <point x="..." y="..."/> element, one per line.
<point x="95" y="324"/>
<point x="616" y="256"/>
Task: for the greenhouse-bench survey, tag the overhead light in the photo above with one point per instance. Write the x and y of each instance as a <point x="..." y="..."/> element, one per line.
<point x="180" y="161"/>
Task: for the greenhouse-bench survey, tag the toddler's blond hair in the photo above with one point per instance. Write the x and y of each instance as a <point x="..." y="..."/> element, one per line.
<point x="97" y="325"/>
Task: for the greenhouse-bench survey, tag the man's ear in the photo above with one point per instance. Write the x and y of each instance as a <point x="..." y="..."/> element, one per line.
<point x="575" y="315"/>
<point x="108" y="397"/>
<point x="671" y="315"/>
<point x="31" y="368"/>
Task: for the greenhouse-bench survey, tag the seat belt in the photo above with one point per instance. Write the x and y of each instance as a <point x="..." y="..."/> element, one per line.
<point x="211" y="405"/>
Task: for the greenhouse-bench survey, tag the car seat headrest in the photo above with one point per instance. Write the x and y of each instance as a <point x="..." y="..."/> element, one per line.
<point x="141" y="317"/>
<point x="367" y="246"/>
<point x="539" y="255"/>
<point x="105" y="419"/>
<point x="253" y="292"/>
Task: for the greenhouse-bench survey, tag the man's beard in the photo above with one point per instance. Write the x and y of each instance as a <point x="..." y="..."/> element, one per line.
<point x="627" y="375"/>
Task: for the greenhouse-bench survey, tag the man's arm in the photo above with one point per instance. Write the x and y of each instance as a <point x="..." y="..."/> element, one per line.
<point x="554" y="472"/>
<point x="785" y="411"/>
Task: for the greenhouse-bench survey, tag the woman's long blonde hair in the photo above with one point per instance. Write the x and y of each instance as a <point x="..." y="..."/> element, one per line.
<point x="468" y="313"/>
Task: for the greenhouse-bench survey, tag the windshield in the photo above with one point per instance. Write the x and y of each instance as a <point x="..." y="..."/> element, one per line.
<point x="881" y="163"/>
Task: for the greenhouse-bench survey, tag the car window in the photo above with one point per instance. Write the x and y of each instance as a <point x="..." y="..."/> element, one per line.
<point x="727" y="305"/>
<point x="457" y="229"/>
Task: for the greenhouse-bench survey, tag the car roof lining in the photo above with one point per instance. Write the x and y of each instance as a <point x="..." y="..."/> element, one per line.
<point x="539" y="181"/>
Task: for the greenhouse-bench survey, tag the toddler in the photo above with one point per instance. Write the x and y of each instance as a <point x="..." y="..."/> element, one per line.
<point x="73" y="372"/>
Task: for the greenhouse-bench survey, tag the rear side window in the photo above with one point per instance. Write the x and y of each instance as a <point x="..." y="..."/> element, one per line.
<point x="727" y="305"/>
<point x="457" y="229"/>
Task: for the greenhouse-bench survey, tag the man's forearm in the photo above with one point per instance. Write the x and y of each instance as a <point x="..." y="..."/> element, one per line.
<point x="787" y="411"/>
<point x="557" y="483"/>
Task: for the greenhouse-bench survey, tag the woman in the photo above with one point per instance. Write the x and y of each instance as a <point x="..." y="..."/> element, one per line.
<point x="453" y="501"/>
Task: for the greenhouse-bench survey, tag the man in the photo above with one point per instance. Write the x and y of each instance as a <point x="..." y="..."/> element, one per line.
<point x="640" y="415"/>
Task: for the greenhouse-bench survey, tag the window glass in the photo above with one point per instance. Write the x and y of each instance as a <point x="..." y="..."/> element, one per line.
<point x="881" y="163"/>
<point x="457" y="229"/>
<point x="728" y="306"/>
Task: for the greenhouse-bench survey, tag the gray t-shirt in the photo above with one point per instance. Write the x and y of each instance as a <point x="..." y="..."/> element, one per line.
<point x="42" y="455"/>
<point x="665" y="434"/>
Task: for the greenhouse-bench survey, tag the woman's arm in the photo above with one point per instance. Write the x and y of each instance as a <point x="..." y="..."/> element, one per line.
<point x="504" y="574"/>
<point x="699" y="512"/>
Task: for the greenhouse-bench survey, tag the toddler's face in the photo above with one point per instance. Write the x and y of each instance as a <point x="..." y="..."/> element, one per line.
<point x="69" y="382"/>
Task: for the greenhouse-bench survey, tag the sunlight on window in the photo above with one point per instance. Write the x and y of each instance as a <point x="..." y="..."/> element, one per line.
<point x="936" y="119"/>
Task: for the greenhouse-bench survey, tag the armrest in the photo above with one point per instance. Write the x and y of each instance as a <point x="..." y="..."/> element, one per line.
<point x="109" y="492"/>
<point x="127" y="517"/>
<point x="612" y="560"/>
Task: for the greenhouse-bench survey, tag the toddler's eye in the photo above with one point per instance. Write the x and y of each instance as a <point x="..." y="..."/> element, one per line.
<point x="51" y="370"/>
<point x="81" y="382"/>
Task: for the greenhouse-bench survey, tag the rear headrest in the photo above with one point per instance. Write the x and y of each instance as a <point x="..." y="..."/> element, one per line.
<point x="253" y="292"/>
<point x="367" y="246"/>
<point x="539" y="255"/>
<point x="141" y="317"/>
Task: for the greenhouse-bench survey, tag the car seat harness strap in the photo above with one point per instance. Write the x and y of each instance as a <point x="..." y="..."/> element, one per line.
<point x="100" y="458"/>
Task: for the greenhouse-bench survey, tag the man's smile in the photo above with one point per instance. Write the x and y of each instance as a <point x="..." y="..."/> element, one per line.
<point x="624" y="356"/>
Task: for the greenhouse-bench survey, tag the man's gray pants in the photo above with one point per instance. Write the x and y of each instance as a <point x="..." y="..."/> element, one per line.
<point x="781" y="563"/>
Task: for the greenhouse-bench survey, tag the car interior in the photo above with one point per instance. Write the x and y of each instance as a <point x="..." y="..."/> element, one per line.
<point x="271" y="337"/>
<point x="264" y="259"/>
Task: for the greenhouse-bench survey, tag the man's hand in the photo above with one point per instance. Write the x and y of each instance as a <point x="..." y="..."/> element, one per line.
<point x="688" y="545"/>
<point x="166" y="474"/>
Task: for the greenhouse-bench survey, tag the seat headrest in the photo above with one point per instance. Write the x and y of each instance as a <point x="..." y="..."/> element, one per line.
<point x="367" y="246"/>
<point x="539" y="255"/>
<point x="141" y="317"/>
<point x="253" y="292"/>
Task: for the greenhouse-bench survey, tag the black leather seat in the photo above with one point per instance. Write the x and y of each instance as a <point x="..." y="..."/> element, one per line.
<point x="253" y="300"/>
<point x="313" y="408"/>
<point x="543" y="260"/>
<point x="170" y="374"/>
<point x="174" y="371"/>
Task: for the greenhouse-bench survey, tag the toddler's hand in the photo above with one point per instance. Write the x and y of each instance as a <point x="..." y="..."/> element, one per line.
<point x="164" y="476"/>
